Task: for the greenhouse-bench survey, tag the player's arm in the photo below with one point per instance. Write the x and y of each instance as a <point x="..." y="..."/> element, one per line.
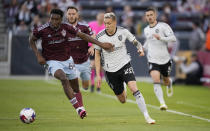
<point x="105" y="46"/>
<point x="98" y="65"/>
<point x="32" y="42"/>
<point x="168" y="34"/>
<point x="139" y="47"/>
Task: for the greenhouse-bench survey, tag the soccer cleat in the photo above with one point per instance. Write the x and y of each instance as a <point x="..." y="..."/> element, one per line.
<point x="82" y="113"/>
<point x="169" y="89"/>
<point x="163" y="107"/>
<point x="92" y="88"/>
<point x="98" y="90"/>
<point x="149" y="120"/>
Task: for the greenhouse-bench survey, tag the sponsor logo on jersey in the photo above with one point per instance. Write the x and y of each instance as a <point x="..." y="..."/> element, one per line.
<point x="63" y="32"/>
<point x="157" y="30"/>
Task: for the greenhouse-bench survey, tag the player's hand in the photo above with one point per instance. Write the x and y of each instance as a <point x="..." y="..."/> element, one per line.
<point x="41" y="59"/>
<point x="108" y="46"/>
<point x="91" y="51"/>
<point x="141" y="52"/>
<point x="156" y="36"/>
<point x="98" y="78"/>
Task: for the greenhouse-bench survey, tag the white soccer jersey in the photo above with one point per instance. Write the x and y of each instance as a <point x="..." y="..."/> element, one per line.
<point x="157" y="50"/>
<point x="115" y="60"/>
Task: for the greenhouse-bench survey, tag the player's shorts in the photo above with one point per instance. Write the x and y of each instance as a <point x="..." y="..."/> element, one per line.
<point x="92" y="57"/>
<point x="84" y="70"/>
<point x="164" y="69"/>
<point x="116" y="79"/>
<point x="68" y="67"/>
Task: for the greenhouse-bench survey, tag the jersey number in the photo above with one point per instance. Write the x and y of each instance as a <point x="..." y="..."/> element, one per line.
<point x="128" y="71"/>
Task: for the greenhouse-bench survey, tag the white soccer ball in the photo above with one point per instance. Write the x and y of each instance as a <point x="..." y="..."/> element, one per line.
<point x="27" y="115"/>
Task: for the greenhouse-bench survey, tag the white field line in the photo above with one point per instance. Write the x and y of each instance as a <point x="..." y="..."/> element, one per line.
<point x="148" y="105"/>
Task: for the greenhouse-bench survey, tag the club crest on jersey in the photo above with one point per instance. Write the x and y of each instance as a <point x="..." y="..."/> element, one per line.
<point x="120" y="37"/>
<point x="63" y="32"/>
<point x="157" y="30"/>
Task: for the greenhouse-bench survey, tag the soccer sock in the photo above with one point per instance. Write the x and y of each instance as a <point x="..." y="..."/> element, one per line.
<point x="141" y="103"/>
<point x="79" y="98"/>
<point x="159" y="93"/>
<point x="92" y="76"/>
<point x="75" y="103"/>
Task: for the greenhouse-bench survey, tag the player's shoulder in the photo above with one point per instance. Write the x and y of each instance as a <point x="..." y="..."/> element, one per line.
<point x="163" y="24"/>
<point x="146" y="28"/>
<point x="101" y="33"/>
<point x="83" y="24"/>
<point x="44" y="26"/>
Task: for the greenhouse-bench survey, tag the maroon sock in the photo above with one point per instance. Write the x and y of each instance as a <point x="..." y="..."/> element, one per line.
<point x="75" y="103"/>
<point x="79" y="98"/>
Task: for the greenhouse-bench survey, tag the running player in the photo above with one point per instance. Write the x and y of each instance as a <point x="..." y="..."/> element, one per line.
<point x="158" y="34"/>
<point x="55" y="55"/>
<point x="117" y="64"/>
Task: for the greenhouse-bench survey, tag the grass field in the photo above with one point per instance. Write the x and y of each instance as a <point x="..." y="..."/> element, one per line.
<point x="55" y="113"/>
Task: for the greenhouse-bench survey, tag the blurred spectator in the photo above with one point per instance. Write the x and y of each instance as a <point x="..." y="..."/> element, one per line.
<point x="11" y="12"/>
<point x="197" y="37"/>
<point x="22" y="29"/>
<point x="109" y="9"/>
<point x="23" y="15"/>
<point x="64" y="4"/>
<point x="35" y="23"/>
<point x="207" y="43"/>
<point x="127" y="12"/>
<point x="140" y="26"/>
<point x="197" y="5"/>
<point x="32" y="6"/>
<point x="128" y="24"/>
<point x="183" y="6"/>
<point x="168" y="16"/>
<point x="193" y="71"/>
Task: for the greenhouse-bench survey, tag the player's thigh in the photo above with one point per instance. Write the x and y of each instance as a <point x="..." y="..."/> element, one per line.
<point x="165" y="69"/>
<point x="85" y="71"/>
<point x="154" y="70"/>
<point x="115" y="82"/>
<point x="70" y="69"/>
<point x="53" y="66"/>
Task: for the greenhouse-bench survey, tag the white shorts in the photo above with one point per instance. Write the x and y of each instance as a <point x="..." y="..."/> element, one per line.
<point x="68" y="67"/>
<point x="84" y="70"/>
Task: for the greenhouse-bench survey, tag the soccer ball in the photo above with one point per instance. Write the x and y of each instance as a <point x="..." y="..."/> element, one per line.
<point x="27" y="115"/>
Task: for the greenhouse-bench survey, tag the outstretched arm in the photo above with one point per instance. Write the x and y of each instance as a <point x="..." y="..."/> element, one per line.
<point x="105" y="46"/>
<point x="139" y="47"/>
<point x="32" y="42"/>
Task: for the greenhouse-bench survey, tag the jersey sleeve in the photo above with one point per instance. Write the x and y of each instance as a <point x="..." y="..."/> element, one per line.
<point x="167" y="30"/>
<point x="96" y="46"/>
<point x="129" y="35"/>
<point x="37" y="33"/>
<point x="89" y="31"/>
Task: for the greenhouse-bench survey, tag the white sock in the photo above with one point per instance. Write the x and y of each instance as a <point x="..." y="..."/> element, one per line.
<point x="159" y="93"/>
<point x="141" y="103"/>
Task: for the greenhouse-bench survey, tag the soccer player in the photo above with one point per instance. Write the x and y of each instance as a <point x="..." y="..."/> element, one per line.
<point x="158" y="34"/>
<point x="80" y="51"/>
<point x="117" y="64"/>
<point x="96" y="26"/>
<point x="54" y="35"/>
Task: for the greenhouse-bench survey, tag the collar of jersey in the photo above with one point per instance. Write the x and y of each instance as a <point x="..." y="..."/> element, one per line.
<point x="154" y="25"/>
<point x="112" y="34"/>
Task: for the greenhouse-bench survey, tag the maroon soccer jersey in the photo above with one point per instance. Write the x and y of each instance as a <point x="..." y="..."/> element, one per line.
<point x="78" y="48"/>
<point x="54" y="42"/>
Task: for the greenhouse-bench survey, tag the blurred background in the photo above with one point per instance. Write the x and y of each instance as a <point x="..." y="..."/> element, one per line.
<point x="189" y="19"/>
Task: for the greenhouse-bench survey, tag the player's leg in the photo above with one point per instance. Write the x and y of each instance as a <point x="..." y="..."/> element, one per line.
<point x="167" y="81"/>
<point x="129" y="77"/>
<point x="85" y="74"/>
<point x="92" y="79"/>
<point x="71" y="74"/>
<point x="155" y="74"/>
<point x="116" y="84"/>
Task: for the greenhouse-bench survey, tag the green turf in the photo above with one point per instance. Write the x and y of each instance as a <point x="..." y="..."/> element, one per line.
<point x="55" y="113"/>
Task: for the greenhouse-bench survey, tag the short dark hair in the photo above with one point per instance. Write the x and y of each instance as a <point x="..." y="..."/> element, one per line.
<point x="57" y="11"/>
<point x="151" y="9"/>
<point x="72" y="7"/>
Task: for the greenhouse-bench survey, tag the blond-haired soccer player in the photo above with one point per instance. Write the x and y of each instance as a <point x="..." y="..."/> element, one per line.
<point x="116" y="63"/>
